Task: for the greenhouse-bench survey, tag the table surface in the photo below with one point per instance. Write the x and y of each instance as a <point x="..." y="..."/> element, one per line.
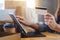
<point x="49" y="36"/>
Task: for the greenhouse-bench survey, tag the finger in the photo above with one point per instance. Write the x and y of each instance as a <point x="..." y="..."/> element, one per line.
<point x="21" y="21"/>
<point x="46" y="17"/>
<point x="46" y="20"/>
<point x="17" y="16"/>
<point x="20" y="17"/>
<point x="48" y="14"/>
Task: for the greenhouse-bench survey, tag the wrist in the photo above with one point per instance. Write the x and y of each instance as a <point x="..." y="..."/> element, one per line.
<point x="31" y="24"/>
<point x="54" y="26"/>
<point x="34" y="25"/>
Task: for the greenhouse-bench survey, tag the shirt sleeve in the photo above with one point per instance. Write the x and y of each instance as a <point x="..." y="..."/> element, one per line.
<point x="44" y="27"/>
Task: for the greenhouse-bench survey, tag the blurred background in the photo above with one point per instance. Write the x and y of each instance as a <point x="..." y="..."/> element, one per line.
<point x="26" y="8"/>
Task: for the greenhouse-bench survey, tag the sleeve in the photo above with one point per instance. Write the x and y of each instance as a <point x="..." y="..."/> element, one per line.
<point x="44" y="27"/>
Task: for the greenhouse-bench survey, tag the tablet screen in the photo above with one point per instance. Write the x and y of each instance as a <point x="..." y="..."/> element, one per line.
<point x="21" y="29"/>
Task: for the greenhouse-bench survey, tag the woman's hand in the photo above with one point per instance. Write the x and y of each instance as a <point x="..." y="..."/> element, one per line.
<point x="27" y="23"/>
<point x="24" y="21"/>
<point x="50" y="21"/>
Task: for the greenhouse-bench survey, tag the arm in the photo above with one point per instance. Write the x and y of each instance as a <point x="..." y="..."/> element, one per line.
<point x="37" y="26"/>
<point x="55" y="27"/>
<point x="58" y="27"/>
<point x="50" y="21"/>
<point x="27" y="23"/>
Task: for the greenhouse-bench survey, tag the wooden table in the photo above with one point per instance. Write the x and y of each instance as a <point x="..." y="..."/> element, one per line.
<point x="49" y="36"/>
<point x="9" y="36"/>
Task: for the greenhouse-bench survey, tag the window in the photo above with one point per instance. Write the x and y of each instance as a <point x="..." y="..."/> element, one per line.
<point x="2" y="4"/>
<point x="30" y="3"/>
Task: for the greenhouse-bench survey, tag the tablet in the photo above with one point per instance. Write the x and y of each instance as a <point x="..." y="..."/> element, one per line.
<point x="18" y="24"/>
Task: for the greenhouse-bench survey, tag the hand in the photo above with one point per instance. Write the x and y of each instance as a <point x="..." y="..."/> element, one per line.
<point x="24" y="21"/>
<point x="50" y="20"/>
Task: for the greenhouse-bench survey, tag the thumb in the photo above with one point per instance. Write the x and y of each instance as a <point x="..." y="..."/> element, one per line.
<point x="48" y="14"/>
